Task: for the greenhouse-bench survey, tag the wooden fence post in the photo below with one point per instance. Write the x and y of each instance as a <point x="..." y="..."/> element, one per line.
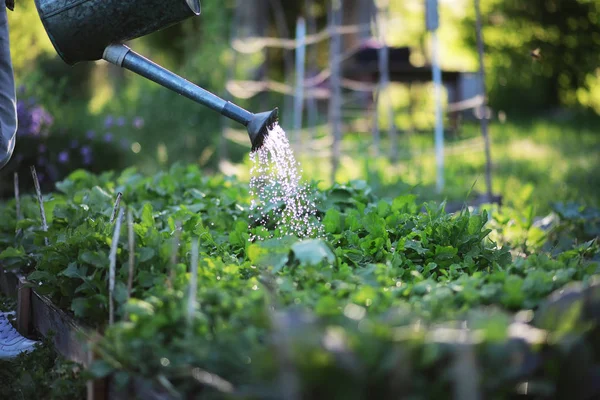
<point x="335" y="102"/>
<point x="23" y="308"/>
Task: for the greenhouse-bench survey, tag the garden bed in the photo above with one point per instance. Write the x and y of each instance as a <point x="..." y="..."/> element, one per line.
<point x="35" y="311"/>
<point x="388" y="301"/>
<point x="69" y="339"/>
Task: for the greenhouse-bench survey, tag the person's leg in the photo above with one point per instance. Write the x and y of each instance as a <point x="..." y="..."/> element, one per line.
<point x="8" y="98"/>
<point x="11" y="342"/>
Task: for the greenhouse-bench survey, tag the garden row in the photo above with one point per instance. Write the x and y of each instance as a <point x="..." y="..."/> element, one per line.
<point x="396" y="299"/>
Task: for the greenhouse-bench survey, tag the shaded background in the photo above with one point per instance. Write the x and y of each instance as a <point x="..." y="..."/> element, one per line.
<point x="542" y="80"/>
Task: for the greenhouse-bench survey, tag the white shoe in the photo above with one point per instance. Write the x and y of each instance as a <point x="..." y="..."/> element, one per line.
<point x="11" y="342"/>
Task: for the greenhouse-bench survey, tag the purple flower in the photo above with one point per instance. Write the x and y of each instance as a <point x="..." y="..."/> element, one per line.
<point x="121" y="121"/>
<point x="124" y="143"/>
<point x="108" y="122"/>
<point x="138" y="122"/>
<point x="108" y="137"/>
<point x="42" y="148"/>
<point x="86" y="153"/>
<point x="63" y="157"/>
<point x="74" y="144"/>
<point x="90" y="135"/>
<point x="33" y="119"/>
<point x="42" y="161"/>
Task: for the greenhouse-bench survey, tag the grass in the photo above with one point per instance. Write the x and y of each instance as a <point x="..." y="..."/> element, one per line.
<point x="534" y="162"/>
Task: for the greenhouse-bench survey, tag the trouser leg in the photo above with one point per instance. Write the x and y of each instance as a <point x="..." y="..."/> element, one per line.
<point x="8" y="98"/>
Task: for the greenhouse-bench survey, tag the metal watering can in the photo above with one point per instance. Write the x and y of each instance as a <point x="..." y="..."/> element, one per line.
<point x="90" y="30"/>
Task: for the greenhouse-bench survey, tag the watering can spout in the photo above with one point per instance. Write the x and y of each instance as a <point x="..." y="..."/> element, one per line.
<point x="90" y="30"/>
<point x="258" y="125"/>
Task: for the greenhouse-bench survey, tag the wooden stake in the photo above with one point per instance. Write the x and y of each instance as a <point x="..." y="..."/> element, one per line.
<point x="484" y="122"/>
<point x="465" y="371"/>
<point x="300" y="73"/>
<point x="174" y="252"/>
<point x="113" y="265"/>
<point x="17" y="199"/>
<point x="283" y="31"/>
<point x="384" y="79"/>
<point x="97" y="389"/>
<point x="131" y="242"/>
<point x="193" y="281"/>
<point x="116" y="207"/>
<point x="312" y="59"/>
<point x="23" y="308"/>
<point x="335" y="102"/>
<point x="288" y="376"/>
<point x="38" y="191"/>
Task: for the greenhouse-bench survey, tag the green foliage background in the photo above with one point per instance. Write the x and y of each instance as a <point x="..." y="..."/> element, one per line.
<point x="566" y="32"/>
<point x="564" y="83"/>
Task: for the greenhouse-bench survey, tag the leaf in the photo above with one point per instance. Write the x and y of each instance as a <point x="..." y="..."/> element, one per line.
<point x="270" y="253"/>
<point x="327" y="305"/>
<point x="72" y="271"/>
<point x="120" y="293"/>
<point x="375" y="225"/>
<point x="146" y="254"/>
<point x="12" y="252"/>
<point x="145" y="279"/>
<point x="416" y="246"/>
<point x="445" y="254"/>
<point x="265" y="259"/>
<point x="475" y="224"/>
<point x="98" y="199"/>
<point x="147" y="218"/>
<point x="405" y="204"/>
<point x="139" y="308"/>
<point x="312" y="252"/>
<point x="100" y="369"/>
<point x="383" y="208"/>
<point x="13" y="258"/>
<point x="40" y="276"/>
<point x="79" y="306"/>
<point x="332" y="221"/>
<point x="95" y="258"/>
<point x="27" y="223"/>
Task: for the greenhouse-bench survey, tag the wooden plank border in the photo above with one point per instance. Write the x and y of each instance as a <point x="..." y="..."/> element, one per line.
<point x="38" y="312"/>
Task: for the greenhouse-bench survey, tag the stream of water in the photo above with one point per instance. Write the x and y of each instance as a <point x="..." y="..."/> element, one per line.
<point x="280" y="200"/>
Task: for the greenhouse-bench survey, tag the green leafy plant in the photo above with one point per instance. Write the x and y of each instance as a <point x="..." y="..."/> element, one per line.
<point x="386" y="275"/>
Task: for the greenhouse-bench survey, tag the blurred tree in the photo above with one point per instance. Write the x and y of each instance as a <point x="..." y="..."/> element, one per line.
<point x="28" y="39"/>
<point x="540" y="52"/>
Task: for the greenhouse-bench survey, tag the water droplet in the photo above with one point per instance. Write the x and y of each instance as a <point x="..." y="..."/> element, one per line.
<point x="280" y="200"/>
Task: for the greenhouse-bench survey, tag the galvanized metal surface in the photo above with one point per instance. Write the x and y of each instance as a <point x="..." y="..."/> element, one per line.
<point x="257" y="124"/>
<point x="80" y="30"/>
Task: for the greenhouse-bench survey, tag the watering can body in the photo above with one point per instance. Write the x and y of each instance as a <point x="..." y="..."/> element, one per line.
<point x="80" y="30"/>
